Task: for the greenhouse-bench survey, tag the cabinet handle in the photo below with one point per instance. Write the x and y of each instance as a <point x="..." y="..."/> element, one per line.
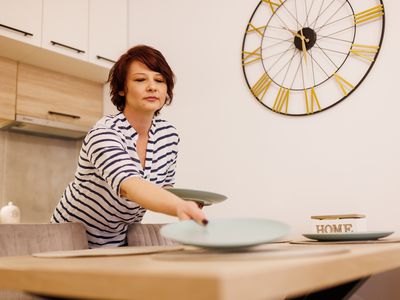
<point x="106" y="59"/>
<point x="63" y="114"/>
<point x="66" y="46"/>
<point x="17" y="30"/>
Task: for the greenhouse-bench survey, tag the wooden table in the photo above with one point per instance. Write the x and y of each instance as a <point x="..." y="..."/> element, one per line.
<point x="271" y="271"/>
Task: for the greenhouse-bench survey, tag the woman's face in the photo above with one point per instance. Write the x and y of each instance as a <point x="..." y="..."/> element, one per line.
<point x="145" y="90"/>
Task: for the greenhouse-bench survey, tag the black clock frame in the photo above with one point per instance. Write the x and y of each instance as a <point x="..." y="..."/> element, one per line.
<point x="344" y="97"/>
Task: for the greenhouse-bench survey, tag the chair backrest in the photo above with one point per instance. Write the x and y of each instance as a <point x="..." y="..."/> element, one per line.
<point x="147" y="235"/>
<point x="25" y="239"/>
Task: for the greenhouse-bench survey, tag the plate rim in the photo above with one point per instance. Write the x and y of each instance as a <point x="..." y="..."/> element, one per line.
<point x="223" y="197"/>
<point x="235" y="245"/>
<point x="204" y="202"/>
<point x="348" y="235"/>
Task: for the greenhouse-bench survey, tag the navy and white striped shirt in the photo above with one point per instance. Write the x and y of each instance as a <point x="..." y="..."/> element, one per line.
<point x="108" y="157"/>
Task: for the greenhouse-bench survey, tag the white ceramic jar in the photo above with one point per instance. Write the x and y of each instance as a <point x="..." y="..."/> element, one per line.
<point x="10" y="214"/>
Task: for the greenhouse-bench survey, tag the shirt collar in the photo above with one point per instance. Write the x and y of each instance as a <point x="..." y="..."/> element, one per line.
<point x="131" y="131"/>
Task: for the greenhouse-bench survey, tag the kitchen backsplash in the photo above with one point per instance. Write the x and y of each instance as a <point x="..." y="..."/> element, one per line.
<point x="34" y="172"/>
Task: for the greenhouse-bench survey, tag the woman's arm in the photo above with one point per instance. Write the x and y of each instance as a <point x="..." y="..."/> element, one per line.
<point x="157" y="199"/>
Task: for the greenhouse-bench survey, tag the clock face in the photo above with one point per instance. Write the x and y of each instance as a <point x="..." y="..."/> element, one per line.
<point x="301" y="57"/>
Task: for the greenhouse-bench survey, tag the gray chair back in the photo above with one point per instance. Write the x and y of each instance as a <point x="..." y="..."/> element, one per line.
<point x="147" y="235"/>
<point x="25" y="239"/>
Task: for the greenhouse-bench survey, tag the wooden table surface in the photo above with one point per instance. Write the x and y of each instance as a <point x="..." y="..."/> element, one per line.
<point x="267" y="272"/>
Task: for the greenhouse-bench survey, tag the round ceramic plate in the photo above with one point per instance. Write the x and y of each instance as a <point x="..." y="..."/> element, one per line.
<point x="350" y="236"/>
<point x="207" y="198"/>
<point x="226" y="233"/>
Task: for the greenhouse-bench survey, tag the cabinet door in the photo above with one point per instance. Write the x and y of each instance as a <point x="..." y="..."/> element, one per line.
<point x="21" y="20"/>
<point x="8" y="89"/>
<point x="58" y="97"/>
<point x="108" y="31"/>
<point x="65" y="27"/>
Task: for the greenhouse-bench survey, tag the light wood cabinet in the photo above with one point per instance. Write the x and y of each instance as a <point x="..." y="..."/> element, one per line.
<point x="53" y="96"/>
<point x="22" y="20"/>
<point x="65" y="27"/>
<point x="107" y="39"/>
<point x="8" y="88"/>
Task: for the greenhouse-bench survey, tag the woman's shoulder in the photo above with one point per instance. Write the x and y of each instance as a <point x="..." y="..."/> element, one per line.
<point x="162" y="123"/>
<point x="110" y="121"/>
<point x="109" y="124"/>
<point x="163" y="127"/>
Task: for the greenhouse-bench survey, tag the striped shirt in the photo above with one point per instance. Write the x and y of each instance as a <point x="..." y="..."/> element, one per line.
<point x="108" y="156"/>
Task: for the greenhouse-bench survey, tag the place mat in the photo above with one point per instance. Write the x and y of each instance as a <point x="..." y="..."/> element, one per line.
<point x="280" y="242"/>
<point x="108" y="251"/>
<point x="311" y="242"/>
<point x="256" y="253"/>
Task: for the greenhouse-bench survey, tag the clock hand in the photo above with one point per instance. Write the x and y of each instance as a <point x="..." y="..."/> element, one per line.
<point x="303" y="46"/>
<point x="300" y="36"/>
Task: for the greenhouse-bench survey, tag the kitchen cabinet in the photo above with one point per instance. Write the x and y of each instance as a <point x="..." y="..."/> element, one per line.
<point x="108" y="31"/>
<point x="57" y="97"/>
<point x="22" y="20"/>
<point x="65" y="27"/>
<point x="8" y="88"/>
<point x="81" y="38"/>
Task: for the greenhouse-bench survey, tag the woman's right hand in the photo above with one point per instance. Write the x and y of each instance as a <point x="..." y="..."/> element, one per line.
<point x="154" y="198"/>
<point x="189" y="210"/>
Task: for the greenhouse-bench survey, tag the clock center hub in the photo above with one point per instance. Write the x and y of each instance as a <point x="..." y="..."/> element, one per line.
<point x="308" y="35"/>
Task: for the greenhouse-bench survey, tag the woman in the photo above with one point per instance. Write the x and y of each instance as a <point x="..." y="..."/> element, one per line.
<point x="127" y="159"/>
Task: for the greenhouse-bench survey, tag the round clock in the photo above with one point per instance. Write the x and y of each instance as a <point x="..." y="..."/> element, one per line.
<point x="301" y="57"/>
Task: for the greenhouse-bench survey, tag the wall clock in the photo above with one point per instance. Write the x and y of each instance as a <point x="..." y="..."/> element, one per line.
<point x="300" y="57"/>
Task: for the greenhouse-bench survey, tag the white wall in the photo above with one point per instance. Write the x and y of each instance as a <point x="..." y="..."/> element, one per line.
<point x="344" y="160"/>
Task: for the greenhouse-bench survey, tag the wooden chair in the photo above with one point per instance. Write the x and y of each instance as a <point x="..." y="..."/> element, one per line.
<point x="147" y="235"/>
<point x="25" y="239"/>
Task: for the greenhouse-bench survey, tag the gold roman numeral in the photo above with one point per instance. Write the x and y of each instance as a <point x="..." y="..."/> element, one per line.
<point x="365" y="51"/>
<point x="282" y="99"/>
<point x="261" y="86"/>
<point x="343" y="84"/>
<point x="259" y="30"/>
<point x="310" y="103"/>
<point x="272" y="5"/>
<point x="251" y="56"/>
<point x="369" y="14"/>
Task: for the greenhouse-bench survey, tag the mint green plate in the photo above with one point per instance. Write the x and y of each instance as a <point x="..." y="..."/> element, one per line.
<point x="206" y="198"/>
<point x="349" y="236"/>
<point x="226" y="233"/>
